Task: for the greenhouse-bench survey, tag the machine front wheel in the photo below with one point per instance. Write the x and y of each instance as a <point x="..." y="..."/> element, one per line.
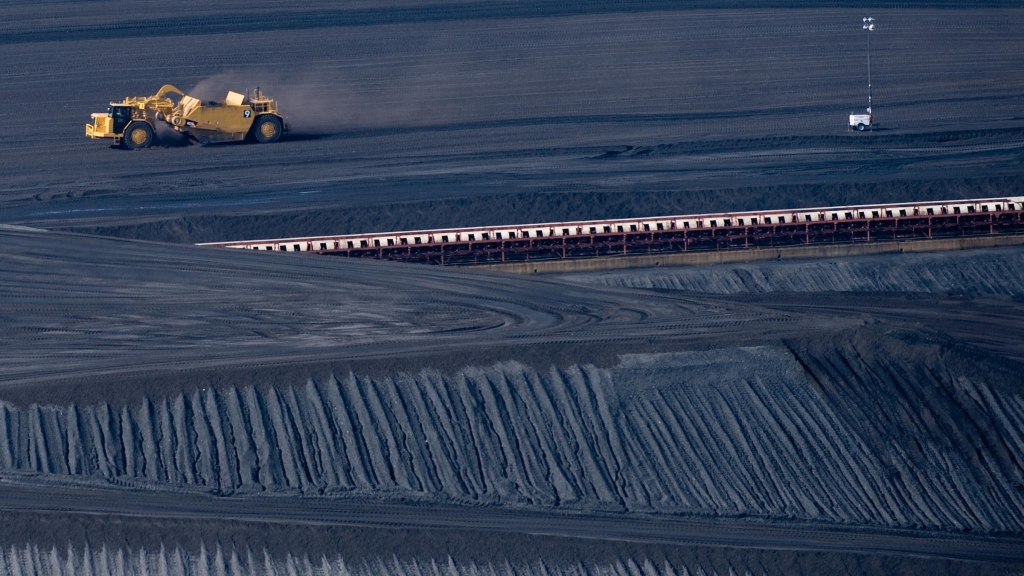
<point x="860" y="127"/>
<point x="137" y="135"/>
<point x="267" y="129"/>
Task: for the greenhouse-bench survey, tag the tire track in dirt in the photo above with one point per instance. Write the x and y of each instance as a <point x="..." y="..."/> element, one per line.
<point x="70" y="499"/>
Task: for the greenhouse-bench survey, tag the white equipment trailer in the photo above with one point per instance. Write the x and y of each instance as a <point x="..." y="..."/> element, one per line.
<point x="861" y="121"/>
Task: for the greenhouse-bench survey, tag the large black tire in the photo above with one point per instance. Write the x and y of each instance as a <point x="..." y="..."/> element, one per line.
<point x="267" y="128"/>
<point x="137" y="135"/>
<point x="860" y="127"/>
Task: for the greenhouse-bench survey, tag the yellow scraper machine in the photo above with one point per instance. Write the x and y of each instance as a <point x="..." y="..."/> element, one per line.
<point x="133" y="122"/>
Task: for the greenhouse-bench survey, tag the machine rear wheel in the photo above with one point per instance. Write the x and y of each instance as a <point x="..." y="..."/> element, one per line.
<point x="137" y="135"/>
<point x="860" y="127"/>
<point x="267" y="129"/>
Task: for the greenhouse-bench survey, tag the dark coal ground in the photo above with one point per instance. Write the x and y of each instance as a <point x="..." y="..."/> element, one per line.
<point x="881" y="397"/>
<point x="465" y="548"/>
<point x="478" y="113"/>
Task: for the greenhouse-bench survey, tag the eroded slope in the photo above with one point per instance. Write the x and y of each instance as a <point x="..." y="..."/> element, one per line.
<point x="845" y="433"/>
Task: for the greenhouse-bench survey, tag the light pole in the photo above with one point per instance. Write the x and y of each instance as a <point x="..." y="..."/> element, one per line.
<point x="869" y="25"/>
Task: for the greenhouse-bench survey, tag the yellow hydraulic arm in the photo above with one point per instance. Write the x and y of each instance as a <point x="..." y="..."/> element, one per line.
<point x="168" y="89"/>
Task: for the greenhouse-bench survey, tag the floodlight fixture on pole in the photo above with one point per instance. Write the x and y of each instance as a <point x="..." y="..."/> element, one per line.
<point x="869" y="25"/>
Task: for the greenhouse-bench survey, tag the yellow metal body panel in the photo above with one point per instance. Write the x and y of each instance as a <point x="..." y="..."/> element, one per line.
<point x="187" y="105"/>
<point x="231" y="119"/>
<point x="102" y="126"/>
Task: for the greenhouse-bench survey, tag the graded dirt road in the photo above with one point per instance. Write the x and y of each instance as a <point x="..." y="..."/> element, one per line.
<point x="19" y="495"/>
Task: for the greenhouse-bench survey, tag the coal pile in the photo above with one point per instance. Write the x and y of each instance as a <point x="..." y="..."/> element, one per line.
<point x="764" y="432"/>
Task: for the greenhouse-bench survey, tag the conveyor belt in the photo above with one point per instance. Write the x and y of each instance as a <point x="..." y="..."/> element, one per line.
<point x="666" y="234"/>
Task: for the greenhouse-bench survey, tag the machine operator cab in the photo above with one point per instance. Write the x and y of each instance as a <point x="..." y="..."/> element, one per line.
<point x="121" y="116"/>
<point x="117" y="123"/>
